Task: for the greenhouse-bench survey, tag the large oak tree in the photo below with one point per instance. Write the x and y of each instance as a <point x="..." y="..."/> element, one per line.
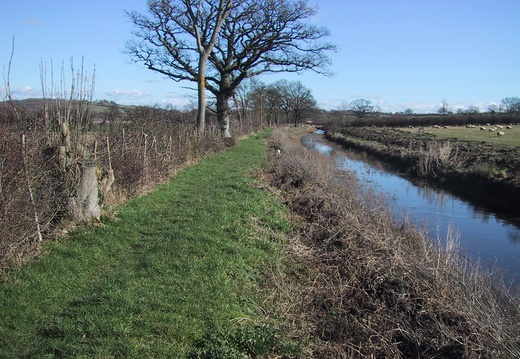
<point x="177" y="39"/>
<point x="256" y="37"/>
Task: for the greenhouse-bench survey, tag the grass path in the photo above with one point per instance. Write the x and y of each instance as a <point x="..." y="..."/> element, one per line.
<point x="173" y="266"/>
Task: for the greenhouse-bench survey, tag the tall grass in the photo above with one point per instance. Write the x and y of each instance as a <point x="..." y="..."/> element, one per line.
<point x="372" y="287"/>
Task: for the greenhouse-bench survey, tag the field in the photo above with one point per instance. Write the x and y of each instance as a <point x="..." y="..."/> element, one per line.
<point x="510" y="139"/>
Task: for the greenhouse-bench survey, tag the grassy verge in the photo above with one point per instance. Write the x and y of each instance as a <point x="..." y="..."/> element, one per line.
<point x="177" y="274"/>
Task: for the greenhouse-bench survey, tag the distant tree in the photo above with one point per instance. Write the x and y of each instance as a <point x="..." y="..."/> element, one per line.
<point x="408" y="112"/>
<point x="113" y="113"/>
<point x="444" y="108"/>
<point x="296" y="100"/>
<point x="471" y="110"/>
<point x="493" y="108"/>
<point x="272" y="103"/>
<point x="249" y="100"/>
<point x="343" y="106"/>
<point x="361" y="107"/>
<point x="511" y="105"/>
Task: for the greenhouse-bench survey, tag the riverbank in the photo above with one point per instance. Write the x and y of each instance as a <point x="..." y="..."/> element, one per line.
<point x="250" y="254"/>
<point x="377" y="288"/>
<point x="483" y="173"/>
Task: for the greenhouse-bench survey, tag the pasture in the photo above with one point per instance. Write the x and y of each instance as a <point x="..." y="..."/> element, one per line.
<point x="511" y="137"/>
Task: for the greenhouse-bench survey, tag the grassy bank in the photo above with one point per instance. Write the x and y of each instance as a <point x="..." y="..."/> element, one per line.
<point x="178" y="273"/>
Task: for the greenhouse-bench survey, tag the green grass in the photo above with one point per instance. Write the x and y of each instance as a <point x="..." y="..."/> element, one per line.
<point x="510" y="139"/>
<point x="158" y="280"/>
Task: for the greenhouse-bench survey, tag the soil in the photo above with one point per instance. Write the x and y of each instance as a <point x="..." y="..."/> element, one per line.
<point x="478" y="171"/>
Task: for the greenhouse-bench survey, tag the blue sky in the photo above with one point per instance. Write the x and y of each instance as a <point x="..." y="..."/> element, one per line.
<point x="397" y="53"/>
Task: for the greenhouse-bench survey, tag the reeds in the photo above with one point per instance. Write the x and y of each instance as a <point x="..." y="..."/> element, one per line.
<point x="374" y="287"/>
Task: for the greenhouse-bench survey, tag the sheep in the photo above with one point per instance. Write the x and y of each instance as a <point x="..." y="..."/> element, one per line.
<point x="499" y="126"/>
<point x="509" y="127"/>
<point x="500" y="133"/>
<point x="482" y="128"/>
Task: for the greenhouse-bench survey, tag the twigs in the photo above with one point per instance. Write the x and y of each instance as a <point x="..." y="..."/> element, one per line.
<point x="30" y="191"/>
<point x="381" y="289"/>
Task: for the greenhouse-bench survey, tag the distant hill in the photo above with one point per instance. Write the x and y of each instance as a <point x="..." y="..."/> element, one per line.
<point x="99" y="107"/>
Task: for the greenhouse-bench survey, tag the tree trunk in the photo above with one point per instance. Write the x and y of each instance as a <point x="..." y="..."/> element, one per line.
<point x="201" y="88"/>
<point x="223" y="115"/>
<point x="84" y="206"/>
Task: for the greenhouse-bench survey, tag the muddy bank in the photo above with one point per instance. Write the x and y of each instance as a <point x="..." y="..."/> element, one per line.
<point x="477" y="171"/>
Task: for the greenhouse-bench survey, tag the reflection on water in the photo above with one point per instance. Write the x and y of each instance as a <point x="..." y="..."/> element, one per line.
<point x="484" y="236"/>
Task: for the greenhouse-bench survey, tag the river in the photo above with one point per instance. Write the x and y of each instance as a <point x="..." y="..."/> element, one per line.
<point x="484" y="236"/>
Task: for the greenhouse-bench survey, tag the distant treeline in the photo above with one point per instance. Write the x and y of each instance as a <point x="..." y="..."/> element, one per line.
<point x="338" y="119"/>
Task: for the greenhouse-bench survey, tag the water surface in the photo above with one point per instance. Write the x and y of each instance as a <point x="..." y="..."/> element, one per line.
<point x="483" y="236"/>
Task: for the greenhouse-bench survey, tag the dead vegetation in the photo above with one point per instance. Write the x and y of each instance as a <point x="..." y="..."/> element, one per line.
<point x="363" y="285"/>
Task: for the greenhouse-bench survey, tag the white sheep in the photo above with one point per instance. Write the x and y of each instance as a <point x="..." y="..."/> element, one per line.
<point x="509" y="127"/>
<point x="482" y="128"/>
<point x="500" y="133"/>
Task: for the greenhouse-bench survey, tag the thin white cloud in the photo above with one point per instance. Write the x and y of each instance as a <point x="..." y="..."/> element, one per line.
<point x="128" y="94"/>
<point x="25" y="89"/>
<point x="33" y="22"/>
<point x="332" y="104"/>
<point x="22" y="92"/>
<point x="177" y="100"/>
<point x="368" y="97"/>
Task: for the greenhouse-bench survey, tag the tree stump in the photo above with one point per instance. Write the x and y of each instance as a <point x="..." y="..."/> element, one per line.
<point x="84" y="206"/>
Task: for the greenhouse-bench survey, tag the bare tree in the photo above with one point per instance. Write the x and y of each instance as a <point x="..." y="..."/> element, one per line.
<point x="177" y="39"/>
<point x="262" y="36"/>
<point x="361" y="107"/>
<point x="511" y="105"/>
<point x="255" y="37"/>
<point x="272" y="104"/>
<point x="444" y="108"/>
<point x="493" y="108"/>
<point x="296" y="100"/>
